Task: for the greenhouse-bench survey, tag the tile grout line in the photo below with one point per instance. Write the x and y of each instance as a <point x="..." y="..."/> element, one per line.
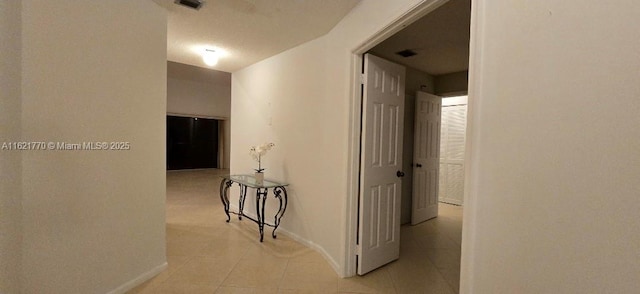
<point x="169" y="274"/>
<point x="286" y="267"/>
<point x="232" y="268"/>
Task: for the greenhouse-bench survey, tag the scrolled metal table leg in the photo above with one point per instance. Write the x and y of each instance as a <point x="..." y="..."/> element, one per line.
<point x="261" y="193"/>
<point x="264" y="198"/>
<point x="243" y="196"/>
<point x="224" y="195"/>
<point x="281" y="194"/>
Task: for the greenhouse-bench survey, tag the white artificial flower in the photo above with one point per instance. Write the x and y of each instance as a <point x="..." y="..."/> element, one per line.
<point x="257" y="152"/>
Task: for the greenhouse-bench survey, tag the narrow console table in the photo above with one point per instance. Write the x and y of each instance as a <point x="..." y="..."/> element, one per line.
<point x="262" y="189"/>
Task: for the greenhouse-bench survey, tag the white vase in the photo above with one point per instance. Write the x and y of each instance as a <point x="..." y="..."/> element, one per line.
<point x="259" y="178"/>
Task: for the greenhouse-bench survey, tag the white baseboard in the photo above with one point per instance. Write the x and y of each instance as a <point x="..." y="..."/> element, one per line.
<point x="451" y="201"/>
<point x="315" y="247"/>
<point x="139" y="280"/>
<point x="303" y="241"/>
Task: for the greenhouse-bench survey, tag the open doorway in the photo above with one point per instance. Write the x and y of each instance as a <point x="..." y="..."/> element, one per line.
<point x="430" y="47"/>
<point x="435" y="51"/>
<point x="198" y="117"/>
<point x="192" y="142"/>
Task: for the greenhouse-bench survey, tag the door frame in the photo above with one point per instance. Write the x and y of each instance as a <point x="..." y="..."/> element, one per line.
<point x="355" y="108"/>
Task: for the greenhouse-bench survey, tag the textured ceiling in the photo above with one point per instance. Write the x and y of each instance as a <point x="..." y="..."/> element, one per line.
<point x="247" y="31"/>
<point x="440" y="39"/>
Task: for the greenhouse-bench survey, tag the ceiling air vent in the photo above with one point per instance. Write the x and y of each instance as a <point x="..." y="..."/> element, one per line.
<point x="195" y="4"/>
<point x="406" y="53"/>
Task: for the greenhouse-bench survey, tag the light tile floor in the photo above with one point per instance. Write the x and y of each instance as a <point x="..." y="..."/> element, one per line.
<point x="207" y="255"/>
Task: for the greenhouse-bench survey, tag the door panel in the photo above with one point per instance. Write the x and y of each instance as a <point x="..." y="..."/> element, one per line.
<point x="426" y="158"/>
<point x="381" y="159"/>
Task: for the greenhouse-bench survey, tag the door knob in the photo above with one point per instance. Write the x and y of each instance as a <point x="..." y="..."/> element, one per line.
<point x="399" y="174"/>
<point x="419" y="165"/>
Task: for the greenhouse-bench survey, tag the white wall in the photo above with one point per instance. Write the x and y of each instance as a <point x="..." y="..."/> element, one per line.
<point x="93" y="220"/>
<point x="10" y="168"/>
<point x="555" y="151"/>
<point x="452" y="84"/>
<point x="299" y="100"/>
<point x="417" y="80"/>
<point x="270" y="103"/>
<point x="201" y="92"/>
<point x="194" y="90"/>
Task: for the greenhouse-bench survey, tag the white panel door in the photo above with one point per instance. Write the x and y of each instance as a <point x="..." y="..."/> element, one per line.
<point x="381" y="161"/>
<point x="454" y="124"/>
<point x="426" y="157"/>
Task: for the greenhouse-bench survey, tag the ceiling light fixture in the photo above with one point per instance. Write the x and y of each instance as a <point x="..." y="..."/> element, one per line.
<point x="210" y="57"/>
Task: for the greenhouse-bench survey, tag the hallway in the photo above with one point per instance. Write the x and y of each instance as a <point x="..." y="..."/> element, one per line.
<point x="208" y="255"/>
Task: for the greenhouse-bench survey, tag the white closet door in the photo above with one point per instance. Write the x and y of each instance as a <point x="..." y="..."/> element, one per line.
<point x="454" y="123"/>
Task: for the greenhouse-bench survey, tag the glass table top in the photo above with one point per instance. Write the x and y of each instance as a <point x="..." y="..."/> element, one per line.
<point x="250" y="181"/>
